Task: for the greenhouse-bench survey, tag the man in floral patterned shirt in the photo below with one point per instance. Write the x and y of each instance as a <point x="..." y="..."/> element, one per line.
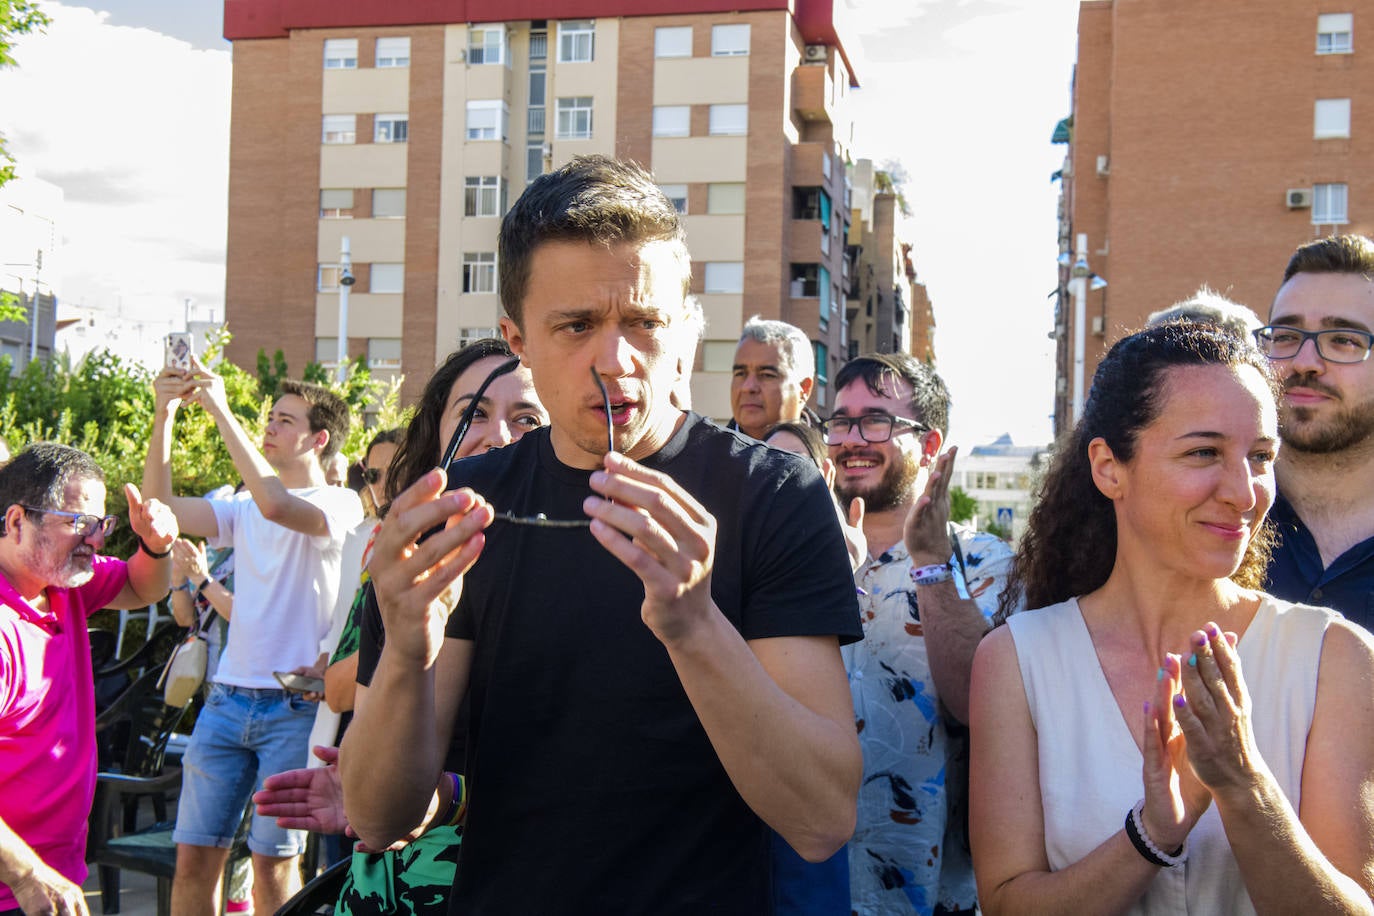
<point x="928" y="591"/>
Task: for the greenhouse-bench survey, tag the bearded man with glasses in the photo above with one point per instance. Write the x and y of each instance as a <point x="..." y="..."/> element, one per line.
<point x="1320" y="331"/>
<point x="51" y="579"/>
<point x="927" y="591"/>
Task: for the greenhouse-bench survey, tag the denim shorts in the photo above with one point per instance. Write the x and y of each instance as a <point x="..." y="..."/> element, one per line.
<point x="243" y="735"/>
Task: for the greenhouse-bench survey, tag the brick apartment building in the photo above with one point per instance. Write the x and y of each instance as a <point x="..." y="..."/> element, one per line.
<point x="1207" y="141"/>
<point x="410" y="127"/>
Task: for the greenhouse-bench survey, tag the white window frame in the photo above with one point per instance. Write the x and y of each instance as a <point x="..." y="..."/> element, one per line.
<point x="1335" y="33"/>
<point x="1330" y="204"/>
<point x="468" y="336"/>
<point x="327" y="278"/>
<point x="327" y="351"/>
<point x="730" y="40"/>
<point x="677" y="195"/>
<point x="384" y="352"/>
<point x="479" y="272"/>
<point x="482" y="50"/>
<point x="331" y="203"/>
<point x="729" y="120"/>
<point x="390" y="128"/>
<point x="721" y="197"/>
<point x="396" y="194"/>
<point x="500" y="114"/>
<point x="672" y="121"/>
<point x="339" y="129"/>
<point x="386" y="278"/>
<point x="341" y="54"/>
<point x="673" y="41"/>
<point x="392" y="51"/>
<point x="1331" y="118"/>
<point x="571" y="123"/>
<point x="724" y="277"/>
<point x="534" y="152"/>
<point x="484" y="195"/>
<point x="577" y="41"/>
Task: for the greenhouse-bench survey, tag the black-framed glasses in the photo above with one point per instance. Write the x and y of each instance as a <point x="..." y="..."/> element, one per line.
<point x="1335" y="345"/>
<point x="370" y="475"/>
<point x="83" y="525"/>
<point x="540" y="520"/>
<point x="873" y="427"/>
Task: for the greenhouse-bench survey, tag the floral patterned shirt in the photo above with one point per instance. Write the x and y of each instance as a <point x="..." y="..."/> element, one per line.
<point x="910" y="848"/>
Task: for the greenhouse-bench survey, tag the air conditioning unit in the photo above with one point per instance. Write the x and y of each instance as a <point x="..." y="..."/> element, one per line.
<point x="1104" y="166"/>
<point x="815" y="54"/>
<point x="1298" y="198"/>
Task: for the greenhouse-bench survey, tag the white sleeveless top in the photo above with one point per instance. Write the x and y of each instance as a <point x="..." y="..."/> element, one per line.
<point x="1090" y="766"/>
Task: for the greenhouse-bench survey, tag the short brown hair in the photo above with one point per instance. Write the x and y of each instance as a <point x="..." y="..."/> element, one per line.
<point x="592" y="199"/>
<point x="328" y="411"/>
<point x="1337" y="254"/>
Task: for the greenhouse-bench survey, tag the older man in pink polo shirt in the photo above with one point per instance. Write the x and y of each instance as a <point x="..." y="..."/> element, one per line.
<point x="51" y="580"/>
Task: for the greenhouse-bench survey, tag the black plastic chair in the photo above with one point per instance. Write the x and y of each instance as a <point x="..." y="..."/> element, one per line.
<point x="132" y="736"/>
<point x="321" y="894"/>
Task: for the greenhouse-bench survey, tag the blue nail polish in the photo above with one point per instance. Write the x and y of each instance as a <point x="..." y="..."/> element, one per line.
<point x="1192" y="660"/>
<point x="1160" y="675"/>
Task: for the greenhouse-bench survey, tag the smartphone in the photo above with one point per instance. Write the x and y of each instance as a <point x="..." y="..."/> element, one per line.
<point x="299" y="683"/>
<point x="179" y="350"/>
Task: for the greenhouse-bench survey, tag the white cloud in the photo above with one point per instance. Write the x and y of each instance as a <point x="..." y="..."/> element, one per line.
<point x="134" y="125"/>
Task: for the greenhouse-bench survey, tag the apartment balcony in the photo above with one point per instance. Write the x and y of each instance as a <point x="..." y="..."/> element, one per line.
<point x="805" y="241"/>
<point x="813" y="93"/>
<point x="813" y="165"/>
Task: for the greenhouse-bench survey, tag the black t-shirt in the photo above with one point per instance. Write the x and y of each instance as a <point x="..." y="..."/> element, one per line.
<point x="593" y="785"/>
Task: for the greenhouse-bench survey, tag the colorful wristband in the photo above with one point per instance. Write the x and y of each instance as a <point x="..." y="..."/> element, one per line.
<point x="931" y="575"/>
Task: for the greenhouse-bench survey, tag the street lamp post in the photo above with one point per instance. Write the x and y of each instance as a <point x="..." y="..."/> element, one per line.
<point x="1078" y="288"/>
<point x="33" y="325"/>
<point x="345" y="283"/>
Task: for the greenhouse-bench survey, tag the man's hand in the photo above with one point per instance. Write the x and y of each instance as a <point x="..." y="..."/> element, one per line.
<point x="44" y="892"/>
<point x="855" y="541"/>
<point x="152" y="521"/>
<point x="189" y="561"/>
<point x="660" y="532"/>
<point x="927" y="524"/>
<point x="418" y="584"/>
<point x="170" y="388"/>
<point x="306" y="799"/>
<point x="208" y="389"/>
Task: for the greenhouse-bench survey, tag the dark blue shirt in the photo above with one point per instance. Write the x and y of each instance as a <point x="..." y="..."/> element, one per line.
<point x="1296" y="572"/>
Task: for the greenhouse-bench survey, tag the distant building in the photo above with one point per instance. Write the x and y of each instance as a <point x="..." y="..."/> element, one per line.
<point x="1206" y="142"/>
<point x="887" y="309"/>
<point x="30" y="211"/>
<point x="1002" y="476"/>
<point x="410" y="127"/>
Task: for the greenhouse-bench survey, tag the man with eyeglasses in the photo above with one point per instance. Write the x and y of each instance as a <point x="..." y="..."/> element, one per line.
<point x="641" y="611"/>
<point x="52" y="578"/>
<point x="927" y="593"/>
<point x="1320" y="331"/>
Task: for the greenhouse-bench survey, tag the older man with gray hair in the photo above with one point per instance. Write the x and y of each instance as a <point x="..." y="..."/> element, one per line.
<point x="772" y="376"/>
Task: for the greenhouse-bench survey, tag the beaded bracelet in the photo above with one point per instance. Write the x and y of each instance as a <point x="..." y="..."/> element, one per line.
<point x="1140" y="839"/>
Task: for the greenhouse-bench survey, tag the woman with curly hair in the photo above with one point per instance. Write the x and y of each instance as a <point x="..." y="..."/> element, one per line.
<point x="1247" y="782"/>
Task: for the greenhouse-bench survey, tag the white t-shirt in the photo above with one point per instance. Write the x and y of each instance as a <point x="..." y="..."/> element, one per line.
<point x="285" y="584"/>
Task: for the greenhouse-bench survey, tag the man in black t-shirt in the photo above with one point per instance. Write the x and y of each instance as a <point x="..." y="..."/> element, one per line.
<point x="651" y="688"/>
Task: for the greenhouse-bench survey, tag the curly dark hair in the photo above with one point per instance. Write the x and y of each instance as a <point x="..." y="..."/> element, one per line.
<point x="1069" y="547"/>
<point x="418" y="451"/>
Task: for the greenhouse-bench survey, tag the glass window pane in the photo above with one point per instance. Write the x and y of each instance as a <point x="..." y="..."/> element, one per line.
<point x="1332" y="118"/>
<point x="388" y="203"/>
<point x="339" y="129"/>
<point x="724" y="277"/>
<point x="393" y="52"/>
<point x="674" y="41"/>
<point x="340" y="53"/>
<point x="388" y="278"/>
<point x="672" y="120"/>
<point x="729" y="120"/>
<point x="677" y="193"/>
<point x="729" y="40"/>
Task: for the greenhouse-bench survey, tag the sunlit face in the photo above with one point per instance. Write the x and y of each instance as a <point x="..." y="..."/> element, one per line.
<point x="764" y="389"/>
<point x="1326" y="407"/>
<point x="610" y="311"/>
<point x="883" y="473"/>
<point x="288" y="437"/>
<point x="52" y="552"/>
<point x="509" y="408"/>
<point x="1202" y="477"/>
<point x="378" y="461"/>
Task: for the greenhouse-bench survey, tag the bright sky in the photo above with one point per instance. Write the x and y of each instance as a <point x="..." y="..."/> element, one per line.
<point x="128" y="111"/>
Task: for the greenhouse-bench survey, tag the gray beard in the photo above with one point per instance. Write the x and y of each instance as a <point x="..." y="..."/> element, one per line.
<point x="1349" y="428"/>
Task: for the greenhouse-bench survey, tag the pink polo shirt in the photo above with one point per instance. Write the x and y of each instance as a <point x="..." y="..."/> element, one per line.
<point x="47" y="718"/>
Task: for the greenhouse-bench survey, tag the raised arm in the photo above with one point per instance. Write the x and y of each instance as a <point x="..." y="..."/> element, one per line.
<point x="194" y="515"/>
<point x="391" y="762"/>
<point x="777" y="711"/>
<point x="150" y="576"/>
<point x="273" y="499"/>
<point x="1322" y="859"/>
<point x="953" y="625"/>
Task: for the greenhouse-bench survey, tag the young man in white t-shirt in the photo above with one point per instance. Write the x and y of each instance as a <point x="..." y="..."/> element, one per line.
<point x="287" y="531"/>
